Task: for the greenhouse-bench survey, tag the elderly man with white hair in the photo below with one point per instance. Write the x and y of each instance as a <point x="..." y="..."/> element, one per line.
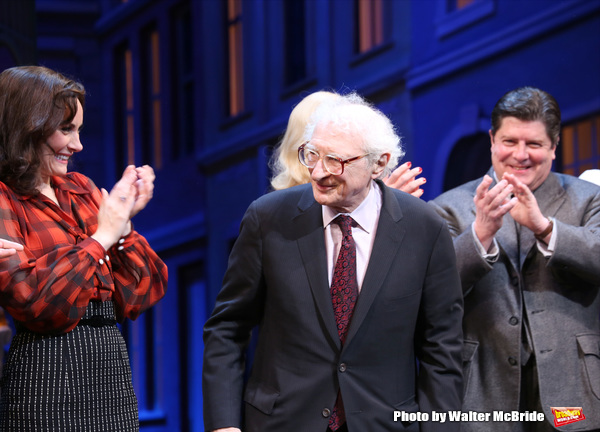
<point x="355" y="291"/>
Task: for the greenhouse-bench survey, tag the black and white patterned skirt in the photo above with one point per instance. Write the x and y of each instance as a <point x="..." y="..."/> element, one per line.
<point x="78" y="381"/>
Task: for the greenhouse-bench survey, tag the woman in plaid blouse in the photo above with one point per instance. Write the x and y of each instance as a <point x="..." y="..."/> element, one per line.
<point x="82" y="267"/>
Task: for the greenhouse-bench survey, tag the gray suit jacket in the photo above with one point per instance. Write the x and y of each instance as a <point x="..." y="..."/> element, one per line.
<point x="558" y="296"/>
<point x="410" y="306"/>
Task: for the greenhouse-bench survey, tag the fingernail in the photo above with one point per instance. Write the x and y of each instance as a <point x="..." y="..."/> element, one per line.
<point x="424" y="180"/>
<point x="420" y="170"/>
<point x="408" y="164"/>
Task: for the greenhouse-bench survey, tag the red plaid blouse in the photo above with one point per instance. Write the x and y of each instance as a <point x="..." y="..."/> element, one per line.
<point x="49" y="284"/>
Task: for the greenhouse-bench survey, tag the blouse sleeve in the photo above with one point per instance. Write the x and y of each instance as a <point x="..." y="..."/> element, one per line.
<point x="140" y="276"/>
<point x="47" y="293"/>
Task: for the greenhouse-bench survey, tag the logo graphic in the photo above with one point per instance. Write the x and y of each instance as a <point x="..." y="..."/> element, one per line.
<point x="567" y="415"/>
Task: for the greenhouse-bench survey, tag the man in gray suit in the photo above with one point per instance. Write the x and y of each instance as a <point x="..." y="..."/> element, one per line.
<point x="528" y="249"/>
<point x="350" y="282"/>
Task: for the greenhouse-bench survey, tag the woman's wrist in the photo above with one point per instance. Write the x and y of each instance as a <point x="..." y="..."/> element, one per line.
<point x="104" y="240"/>
<point x="128" y="229"/>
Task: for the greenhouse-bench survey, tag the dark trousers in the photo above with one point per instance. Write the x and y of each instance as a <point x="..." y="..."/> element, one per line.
<point x="530" y="399"/>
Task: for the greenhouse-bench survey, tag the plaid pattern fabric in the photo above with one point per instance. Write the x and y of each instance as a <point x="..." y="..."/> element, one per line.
<point x="49" y="284"/>
<point x="71" y="382"/>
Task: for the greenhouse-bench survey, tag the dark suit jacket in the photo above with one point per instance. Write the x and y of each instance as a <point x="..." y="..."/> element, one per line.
<point x="558" y="296"/>
<point x="410" y="306"/>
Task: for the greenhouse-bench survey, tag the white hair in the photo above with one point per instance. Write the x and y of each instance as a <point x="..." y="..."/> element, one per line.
<point x="353" y="115"/>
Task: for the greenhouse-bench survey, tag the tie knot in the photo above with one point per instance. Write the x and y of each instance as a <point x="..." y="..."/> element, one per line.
<point x="345" y="223"/>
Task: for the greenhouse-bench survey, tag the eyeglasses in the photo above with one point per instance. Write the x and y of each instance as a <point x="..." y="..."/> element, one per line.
<point x="333" y="164"/>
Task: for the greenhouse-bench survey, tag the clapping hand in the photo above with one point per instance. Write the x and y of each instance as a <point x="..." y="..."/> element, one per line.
<point x="526" y="211"/>
<point x="126" y="199"/>
<point x="144" y="188"/>
<point x="490" y="207"/>
<point x="404" y="178"/>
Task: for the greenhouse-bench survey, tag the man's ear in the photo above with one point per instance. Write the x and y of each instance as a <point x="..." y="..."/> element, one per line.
<point x="380" y="165"/>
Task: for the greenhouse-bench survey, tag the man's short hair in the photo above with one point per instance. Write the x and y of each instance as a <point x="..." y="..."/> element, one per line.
<point x="529" y="104"/>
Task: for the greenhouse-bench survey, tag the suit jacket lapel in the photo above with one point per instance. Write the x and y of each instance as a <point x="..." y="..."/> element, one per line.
<point x="507" y="238"/>
<point x="311" y="243"/>
<point x="550" y="196"/>
<point x="387" y="242"/>
<point x="507" y="235"/>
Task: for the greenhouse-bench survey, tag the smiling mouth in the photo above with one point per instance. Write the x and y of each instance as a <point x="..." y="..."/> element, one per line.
<point x="62" y="158"/>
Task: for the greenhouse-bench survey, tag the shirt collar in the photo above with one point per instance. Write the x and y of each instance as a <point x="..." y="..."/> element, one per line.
<point x="365" y="215"/>
<point x="65" y="183"/>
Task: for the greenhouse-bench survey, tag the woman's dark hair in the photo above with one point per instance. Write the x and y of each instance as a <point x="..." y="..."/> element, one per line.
<point x="34" y="102"/>
<point x="529" y="104"/>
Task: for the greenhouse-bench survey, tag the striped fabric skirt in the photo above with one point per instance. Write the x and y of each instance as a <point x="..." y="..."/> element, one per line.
<point x="74" y="382"/>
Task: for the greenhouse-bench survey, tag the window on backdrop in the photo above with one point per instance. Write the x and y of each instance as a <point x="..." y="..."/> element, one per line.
<point x="124" y="110"/>
<point x="458" y="14"/>
<point x="151" y="145"/>
<point x="141" y="338"/>
<point x="458" y="4"/>
<point x="193" y="310"/>
<point x="294" y="46"/>
<point x="580" y="143"/>
<point x="369" y="24"/>
<point x="235" y="61"/>
<point x="182" y="73"/>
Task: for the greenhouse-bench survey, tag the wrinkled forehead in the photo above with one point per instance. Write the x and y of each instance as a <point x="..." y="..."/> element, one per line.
<point x="514" y="127"/>
<point x="539" y="123"/>
<point x="335" y="138"/>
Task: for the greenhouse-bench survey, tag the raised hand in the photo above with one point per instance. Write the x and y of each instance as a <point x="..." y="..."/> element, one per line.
<point x="490" y="206"/>
<point x="116" y="208"/>
<point x="404" y="178"/>
<point x="526" y="211"/>
<point x="145" y="188"/>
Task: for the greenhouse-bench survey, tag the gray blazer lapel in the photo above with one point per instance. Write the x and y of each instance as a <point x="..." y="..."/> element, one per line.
<point x="507" y="238"/>
<point x="550" y="196"/>
<point x="387" y="242"/>
<point x="311" y="243"/>
<point x="507" y="234"/>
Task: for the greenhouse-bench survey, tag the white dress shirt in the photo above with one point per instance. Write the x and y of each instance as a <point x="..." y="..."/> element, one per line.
<point x="366" y="217"/>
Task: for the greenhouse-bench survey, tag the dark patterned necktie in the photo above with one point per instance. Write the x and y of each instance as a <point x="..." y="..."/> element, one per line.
<point x="344" y="291"/>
